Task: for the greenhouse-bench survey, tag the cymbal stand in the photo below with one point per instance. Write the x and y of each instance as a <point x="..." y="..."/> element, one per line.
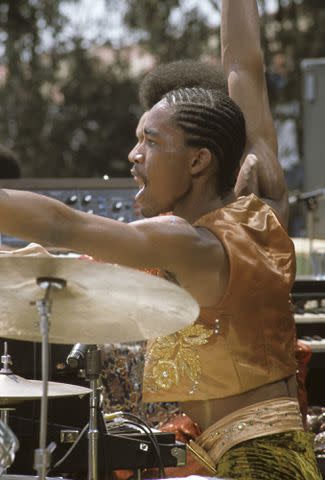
<point x="42" y="455"/>
<point x="5" y="370"/>
<point x="92" y="372"/>
<point x="4" y="411"/>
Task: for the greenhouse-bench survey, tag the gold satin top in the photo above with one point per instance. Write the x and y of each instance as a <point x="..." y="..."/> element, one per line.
<point x="245" y="341"/>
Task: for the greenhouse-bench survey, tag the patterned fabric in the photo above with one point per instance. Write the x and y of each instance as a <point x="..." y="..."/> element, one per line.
<point x="284" y="456"/>
<point x="121" y="379"/>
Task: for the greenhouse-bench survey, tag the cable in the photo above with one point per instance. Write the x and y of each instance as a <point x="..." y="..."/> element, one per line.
<point x="73" y="446"/>
<point x="137" y="420"/>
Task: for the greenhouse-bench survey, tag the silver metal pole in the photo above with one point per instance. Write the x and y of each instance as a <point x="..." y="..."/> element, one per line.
<point x="42" y="455"/>
<point x="93" y="431"/>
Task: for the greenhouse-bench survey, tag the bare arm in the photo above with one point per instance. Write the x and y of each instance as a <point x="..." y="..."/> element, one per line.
<point x="166" y="242"/>
<point x="242" y="59"/>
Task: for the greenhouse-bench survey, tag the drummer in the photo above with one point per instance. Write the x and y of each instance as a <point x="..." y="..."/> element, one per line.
<point x="233" y="370"/>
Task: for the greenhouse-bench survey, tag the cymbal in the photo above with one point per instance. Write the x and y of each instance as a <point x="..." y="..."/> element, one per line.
<point x="15" y="389"/>
<point x="101" y="303"/>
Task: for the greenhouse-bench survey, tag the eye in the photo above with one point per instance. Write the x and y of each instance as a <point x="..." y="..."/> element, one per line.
<point x="150" y="141"/>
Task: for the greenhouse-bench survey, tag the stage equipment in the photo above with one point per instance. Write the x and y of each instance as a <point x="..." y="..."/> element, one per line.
<point x="308" y="295"/>
<point x="8" y="447"/>
<point x="127" y="450"/>
<point x="63" y="280"/>
<point x="313" y="75"/>
<point x="310" y="256"/>
<point x="15" y="389"/>
<point x="112" y="198"/>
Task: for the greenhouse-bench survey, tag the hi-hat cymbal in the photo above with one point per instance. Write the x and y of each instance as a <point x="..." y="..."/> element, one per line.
<point x="100" y="303"/>
<point x="15" y="389"/>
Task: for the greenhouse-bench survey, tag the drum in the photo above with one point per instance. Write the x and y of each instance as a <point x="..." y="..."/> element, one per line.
<point x="8" y="447"/>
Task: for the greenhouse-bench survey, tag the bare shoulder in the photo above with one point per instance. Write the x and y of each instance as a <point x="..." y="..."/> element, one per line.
<point x="176" y="229"/>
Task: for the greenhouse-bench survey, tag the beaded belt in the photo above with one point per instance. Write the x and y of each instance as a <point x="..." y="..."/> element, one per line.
<point x="258" y="420"/>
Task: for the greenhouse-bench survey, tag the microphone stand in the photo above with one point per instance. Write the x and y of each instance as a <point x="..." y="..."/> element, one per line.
<point x="92" y="373"/>
<point x="88" y="359"/>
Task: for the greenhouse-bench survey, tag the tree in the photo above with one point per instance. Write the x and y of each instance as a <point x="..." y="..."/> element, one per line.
<point x="96" y="120"/>
<point x="62" y="111"/>
<point x="23" y="104"/>
<point x="168" y="29"/>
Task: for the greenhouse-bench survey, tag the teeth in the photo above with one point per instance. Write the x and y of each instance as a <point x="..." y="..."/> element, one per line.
<point x="140" y="192"/>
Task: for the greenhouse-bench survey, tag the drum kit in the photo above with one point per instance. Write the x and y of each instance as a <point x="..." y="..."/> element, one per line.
<point x="55" y="299"/>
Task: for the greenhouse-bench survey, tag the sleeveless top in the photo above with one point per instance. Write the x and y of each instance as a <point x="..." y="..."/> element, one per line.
<point x="245" y="341"/>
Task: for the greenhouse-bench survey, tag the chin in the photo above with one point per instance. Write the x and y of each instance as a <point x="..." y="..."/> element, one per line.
<point x="149" y="212"/>
<point x="153" y="209"/>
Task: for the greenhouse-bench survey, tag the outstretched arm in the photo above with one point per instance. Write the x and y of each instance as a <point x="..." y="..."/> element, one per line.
<point x="165" y="242"/>
<point x="243" y="63"/>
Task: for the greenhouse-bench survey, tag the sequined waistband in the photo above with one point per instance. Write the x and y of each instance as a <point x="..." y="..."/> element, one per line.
<point x="258" y="420"/>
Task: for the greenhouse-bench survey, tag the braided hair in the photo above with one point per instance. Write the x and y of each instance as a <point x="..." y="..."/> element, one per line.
<point x="180" y="74"/>
<point x="211" y="119"/>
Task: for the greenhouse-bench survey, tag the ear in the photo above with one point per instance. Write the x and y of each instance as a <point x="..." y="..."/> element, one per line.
<point x="200" y="160"/>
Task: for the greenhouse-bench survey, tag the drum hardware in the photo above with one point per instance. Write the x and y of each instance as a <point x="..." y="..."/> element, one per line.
<point x="15" y="389"/>
<point x="150" y="307"/>
<point x="88" y="358"/>
<point x="42" y="455"/>
<point x="92" y="372"/>
<point x="8" y="447"/>
<point x="5" y="421"/>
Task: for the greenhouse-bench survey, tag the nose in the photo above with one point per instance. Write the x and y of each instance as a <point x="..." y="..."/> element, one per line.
<point x="135" y="156"/>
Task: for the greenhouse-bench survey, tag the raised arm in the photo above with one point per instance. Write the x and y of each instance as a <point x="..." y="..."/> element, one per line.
<point x="242" y="59"/>
<point x="167" y="242"/>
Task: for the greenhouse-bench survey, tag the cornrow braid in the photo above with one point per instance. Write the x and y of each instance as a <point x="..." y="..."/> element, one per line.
<point x="211" y="119"/>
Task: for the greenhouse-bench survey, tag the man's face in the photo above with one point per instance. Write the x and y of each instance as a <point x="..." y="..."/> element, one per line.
<point x="161" y="162"/>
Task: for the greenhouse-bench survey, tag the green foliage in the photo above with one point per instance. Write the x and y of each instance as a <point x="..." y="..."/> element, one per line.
<point x="166" y="38"/>
<point x="61" y="110"/>
<point x="95" y="123"/>
<point x="66" y="113"/>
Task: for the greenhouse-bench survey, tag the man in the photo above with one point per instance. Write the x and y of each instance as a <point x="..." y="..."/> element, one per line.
<point x="233" y="370"/>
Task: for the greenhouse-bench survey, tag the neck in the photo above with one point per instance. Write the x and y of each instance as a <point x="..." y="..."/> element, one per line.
<point x="201" y="200"/>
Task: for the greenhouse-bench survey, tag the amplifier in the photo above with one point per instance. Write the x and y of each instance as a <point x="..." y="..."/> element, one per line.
<point x="111" y="198"/>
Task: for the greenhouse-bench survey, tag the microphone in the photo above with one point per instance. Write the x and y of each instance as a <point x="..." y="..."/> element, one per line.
<point x="76" y="355"/>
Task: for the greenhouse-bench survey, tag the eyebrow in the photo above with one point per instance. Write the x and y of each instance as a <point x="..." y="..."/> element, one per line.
<point x="151" y="132"/>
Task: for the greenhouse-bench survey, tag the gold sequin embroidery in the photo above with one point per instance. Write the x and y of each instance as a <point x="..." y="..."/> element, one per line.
<point x="174" y="356"/>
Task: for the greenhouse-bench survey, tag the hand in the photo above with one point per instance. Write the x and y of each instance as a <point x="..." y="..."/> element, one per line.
<point x="31" y="250"/>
